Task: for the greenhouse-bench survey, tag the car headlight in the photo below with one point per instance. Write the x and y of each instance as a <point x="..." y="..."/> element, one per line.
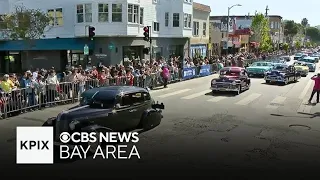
<point x="234" y="83"/>
<point x="213" y="81"/>
<point x="73" y="124"/>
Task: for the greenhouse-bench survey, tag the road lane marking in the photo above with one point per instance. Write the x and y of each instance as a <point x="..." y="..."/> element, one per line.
<point x="247" y="100"/>
<point x="174" y="93"/>
<point x="195" y="95"/>
<point x="159" y="90"/>
<point x="217" y="99"/>
<point x="276" y="101"/>
<point x="305" y="90"/>
<point x="305" y="108"/>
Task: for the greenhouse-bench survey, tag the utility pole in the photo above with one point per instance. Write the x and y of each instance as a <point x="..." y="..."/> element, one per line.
<point x="151" y="49"/>
<point x="267" y="9"/>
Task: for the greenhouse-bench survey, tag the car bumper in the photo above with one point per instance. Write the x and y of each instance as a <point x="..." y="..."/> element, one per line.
<point x="255" y="73"/>
<point x="224" y="89"/>
<point x="274" y="80"/>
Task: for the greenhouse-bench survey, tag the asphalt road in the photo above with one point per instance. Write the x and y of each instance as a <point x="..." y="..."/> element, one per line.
<point x="266" y="127"/>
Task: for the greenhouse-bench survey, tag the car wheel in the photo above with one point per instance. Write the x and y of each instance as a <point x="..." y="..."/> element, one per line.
<point x="239" y="90"/>
<point x="151" y="121"/>
<point x="248" y="85"/>
<point x="286" y="81"/>
<point x="267" y="81"/>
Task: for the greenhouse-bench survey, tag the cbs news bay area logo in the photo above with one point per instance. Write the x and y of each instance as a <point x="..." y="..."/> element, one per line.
<point x="35" y="145"/>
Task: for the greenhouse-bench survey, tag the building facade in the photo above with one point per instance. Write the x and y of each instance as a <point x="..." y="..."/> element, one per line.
<point x="118" y="32"/>
<point x="200" y="30"/>
<point x="239" y="37"/>
<point x="276" y="29"/>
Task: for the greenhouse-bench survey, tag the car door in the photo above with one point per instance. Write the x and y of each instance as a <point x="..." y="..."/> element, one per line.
<point x="243" y="78"/>
<point x="140" y="105"/>
<point x="129" y="111"/>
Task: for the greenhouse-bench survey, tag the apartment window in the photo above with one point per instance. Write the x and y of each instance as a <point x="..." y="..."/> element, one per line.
<point x="176" y="20"/>
<point x="103" y="12"/>
<point x="195" y="28"/>
<point x="189" y="20"/>
<point x="133" y="11"/>
<point x="84" y="13"/>
<point x="204" y="29"/>
<point x="88" y="12"/>
<point x="2" y="24"/>
<point x="141" y="16"/>
<point x="185" y="20"/>
<point x="116" y="12"/>
<point x="156" y="26"/>
<point x="166" y="19"/>
<point x="271" y="25"/>
<point x="59" y="17"/>
<point x="80" y="13"/>
<point x="222" y="35"/>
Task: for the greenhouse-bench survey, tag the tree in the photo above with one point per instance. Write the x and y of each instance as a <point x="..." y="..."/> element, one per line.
<point x="297" y="45"/>
<point x="313" y="33"/>
<point x="261" y="30"/>
<point x="290" y="29"/>
<point x="286" y="47"/>
<point x="26" y="23"/>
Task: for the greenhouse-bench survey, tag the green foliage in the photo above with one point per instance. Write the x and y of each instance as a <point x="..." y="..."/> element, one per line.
<point x="297" y="45"/>
<point x="313" y="33"/>
<point x="309" y="44"/>
<point x="26" y="23"/>
<point x="285" y="46"/>
<point x="261" y="30"/>
<point x="290" y="29"/>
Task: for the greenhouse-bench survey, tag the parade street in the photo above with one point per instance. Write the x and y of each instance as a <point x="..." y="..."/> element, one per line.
<point x="263" y="126"/>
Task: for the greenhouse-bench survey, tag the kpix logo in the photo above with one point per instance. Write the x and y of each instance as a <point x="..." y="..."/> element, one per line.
<point x="29" y="145"/>
<point x="34" y="145"/>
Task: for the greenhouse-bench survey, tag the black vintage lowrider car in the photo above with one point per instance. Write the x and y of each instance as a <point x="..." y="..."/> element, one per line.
<point x="234" y="79"/>
<point x="283" y="74"/>
<point x="109" y="109"/>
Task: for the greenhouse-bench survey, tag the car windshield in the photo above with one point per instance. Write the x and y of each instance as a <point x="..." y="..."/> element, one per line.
<point x="260" y="64"/>
<point x="299" y="68"/>
<point x="103" y="100"/>
<point x="98" y="99"/>
<point x="279" y="68"/>
<point x="229" y="73"/>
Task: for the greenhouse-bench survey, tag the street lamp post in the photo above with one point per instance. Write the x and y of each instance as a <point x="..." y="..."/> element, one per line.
<point x="228" y="21"/>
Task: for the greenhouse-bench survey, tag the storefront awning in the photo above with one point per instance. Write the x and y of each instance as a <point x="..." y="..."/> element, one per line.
<point x="46" y="44"/>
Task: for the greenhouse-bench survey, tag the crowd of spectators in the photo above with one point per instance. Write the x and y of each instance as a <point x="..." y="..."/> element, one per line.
<point x="47" y="87"/>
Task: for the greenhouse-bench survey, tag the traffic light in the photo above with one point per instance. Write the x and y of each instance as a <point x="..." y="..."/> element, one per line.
<point x="145" y="50"/>
<point x="91" y="32"/>
<point x="146" y="34"/>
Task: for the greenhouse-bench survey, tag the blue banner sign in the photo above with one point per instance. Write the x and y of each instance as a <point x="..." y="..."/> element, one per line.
<point x="189" y="73"/>
<point x="205" y="70"/>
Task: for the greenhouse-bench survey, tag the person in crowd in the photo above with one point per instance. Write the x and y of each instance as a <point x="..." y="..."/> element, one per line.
<point x="30" y="91"/>
<point x="165" y="76"/>
<point x="6" y="84"/>
<point x="14" y="80"/>
<point x="130" y="78"/>
<point x="35" y="74"/>
<point x="102" y="78"/>
<point x="316" y="87"/>
<point x="52" y="84"/>
<point x="41" y="89"/>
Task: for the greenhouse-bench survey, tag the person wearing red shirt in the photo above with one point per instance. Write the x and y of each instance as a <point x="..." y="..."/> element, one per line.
<point x="316" y="87"/>
<point x="102" y="78"/>
<point x="130" y="78"/>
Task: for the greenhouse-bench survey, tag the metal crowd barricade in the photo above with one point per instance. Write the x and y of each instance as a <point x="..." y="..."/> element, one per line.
<point x="46" y="95"/>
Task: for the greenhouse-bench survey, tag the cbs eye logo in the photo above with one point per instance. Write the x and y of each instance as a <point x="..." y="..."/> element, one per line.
<point x="65" y="137"/>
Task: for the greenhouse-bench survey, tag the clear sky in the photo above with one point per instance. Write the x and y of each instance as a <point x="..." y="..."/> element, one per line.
<point x="288" y="9"/>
